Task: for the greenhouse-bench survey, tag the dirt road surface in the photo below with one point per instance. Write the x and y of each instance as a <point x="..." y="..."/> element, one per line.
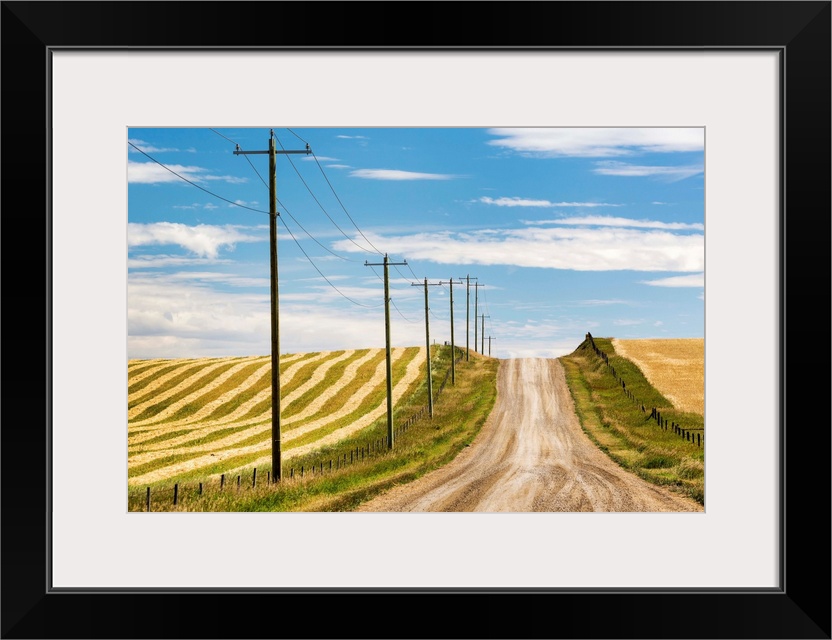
<point x="531" y="455"/>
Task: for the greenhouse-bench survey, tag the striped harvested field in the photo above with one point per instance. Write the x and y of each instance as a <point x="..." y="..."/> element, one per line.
<point x="213" y="415"/>
<point x="675" y="367"/>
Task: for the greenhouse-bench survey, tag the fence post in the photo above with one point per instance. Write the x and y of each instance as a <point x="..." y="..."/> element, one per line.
<point x="698" y="439"/>
<point x="175" y="492"/>
<point x="200" y="488"/>
<point x="238" y="482"/>
<point x="254" y="478"/>
<point x="222" y="481"/>
<point x="148" y="498"/>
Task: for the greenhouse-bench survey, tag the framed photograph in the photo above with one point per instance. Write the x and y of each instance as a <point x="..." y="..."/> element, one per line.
<point x="81" y="79"/>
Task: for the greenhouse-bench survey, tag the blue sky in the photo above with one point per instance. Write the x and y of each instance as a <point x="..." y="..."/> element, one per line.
<point x="566" y="230"/>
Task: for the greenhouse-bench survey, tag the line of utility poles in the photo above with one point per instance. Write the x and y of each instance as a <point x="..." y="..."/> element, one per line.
<point x="275" y="327"/>
<point x="467" y="317"/>
<point x="427" y="340"/>
<point x="476" y="290"/>
<point x="453" y="349"/>
<point x="386" y="265"/>
<point x="482" y="350"/>
<point x="277" y="467"/>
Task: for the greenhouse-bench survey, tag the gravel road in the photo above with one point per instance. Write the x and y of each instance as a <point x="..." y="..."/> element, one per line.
<point x="531" y="455"/>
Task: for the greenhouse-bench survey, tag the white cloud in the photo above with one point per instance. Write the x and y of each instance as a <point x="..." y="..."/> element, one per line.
<point x="613" y="168"/>
<point x="203" y="240"/>
<point x="154" y="173"/>
<point x="395" y="174"/>
<point x="314" y="158"/>
<point x="352" y="137"/>
<point x="692" y="280"/>
<point x="141" y="145"/>
<point x="578" y="249"/>
<point x="608" y="221"/>
<point x="161" y="261"/>
<point x="598" y="142"/>
<point x="526" y="202"/>
<point x="338" y="166"/>
<point x="175" y="317"/>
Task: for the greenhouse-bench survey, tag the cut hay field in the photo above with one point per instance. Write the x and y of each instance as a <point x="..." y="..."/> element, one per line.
<point x="202" y="417"/>
<point x="675" y="367"/>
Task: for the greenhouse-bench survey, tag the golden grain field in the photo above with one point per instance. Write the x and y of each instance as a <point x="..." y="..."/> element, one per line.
<point x="676" y="367"/>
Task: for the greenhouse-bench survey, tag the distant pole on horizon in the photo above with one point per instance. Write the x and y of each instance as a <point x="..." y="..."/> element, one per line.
<point x="489" y="345"/>
<point x="275" y="325"/>
<point x="386" y="265"/>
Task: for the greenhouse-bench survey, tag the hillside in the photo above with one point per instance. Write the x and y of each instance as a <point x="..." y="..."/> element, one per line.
<point x="198" y="417"/>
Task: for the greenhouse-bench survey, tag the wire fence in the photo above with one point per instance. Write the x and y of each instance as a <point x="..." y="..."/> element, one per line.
<point x="694" y="436"/>
<point x="144" y="499"/>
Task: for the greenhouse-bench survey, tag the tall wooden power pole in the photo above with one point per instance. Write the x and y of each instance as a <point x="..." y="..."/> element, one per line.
<point x="482" y="350"/>
<point x="386" y="264"/>
<point x="476" y="290"/>
<point x="427" y="342"/>
<point x="453" y="348"/>
<point x="275" y="325"/>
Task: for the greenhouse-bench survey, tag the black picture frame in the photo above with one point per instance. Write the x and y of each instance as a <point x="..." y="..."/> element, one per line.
<point x="799" y="608"/>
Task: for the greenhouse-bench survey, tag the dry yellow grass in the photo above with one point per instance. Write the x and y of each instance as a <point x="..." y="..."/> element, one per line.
<point x="676" y="367"/>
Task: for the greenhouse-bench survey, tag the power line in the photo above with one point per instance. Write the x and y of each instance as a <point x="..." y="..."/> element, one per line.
<point x="221" y="135"/>
<point x="251" y="164"/>
<point x="297" y="136"/>
<point x="310" y="235"/>
<point x="342" y="204"/>
<point x="236" y="204"/>
<point x="369" y="306"/>
<point x="318" y="201"/>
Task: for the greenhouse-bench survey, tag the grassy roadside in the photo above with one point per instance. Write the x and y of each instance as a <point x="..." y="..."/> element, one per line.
<point x="620" y="428"/>
<point x="342" y="476"/>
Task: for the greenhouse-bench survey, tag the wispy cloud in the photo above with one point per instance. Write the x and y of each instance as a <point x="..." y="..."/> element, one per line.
<point x="343" y="137"/>
<point x="147" y="147"/>
<point x="671" y="173"/>
<point x="571" y="248"/>
<point x="158" y="261"/>
<point x="195" y="205"/>
<point x="203" y="240"/>
<point x="338" y="166"/>
<point x="527" y="202"/>
<point x="609" y="221"/>
<point x="395" y="174"/>
<point x="692" y="280"/>
<point x="322" y="158"/>
<point x="154" y="173"/>
<point x="598" y="142"/>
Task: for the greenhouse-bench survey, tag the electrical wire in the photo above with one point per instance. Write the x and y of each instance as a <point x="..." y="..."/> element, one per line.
<point x="368" y="306"/>
<point x="231" y="202"/>
<point x="318" y="201"/>
<point x="343" y="207"/>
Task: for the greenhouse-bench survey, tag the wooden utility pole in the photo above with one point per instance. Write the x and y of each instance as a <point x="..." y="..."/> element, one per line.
<point x="467" y="316"/>
<point x="482" y="350"/>
<point x="489" y="344"/>
<point x="427" y="342"/>
<point x="453" y="348"/>
<point x="476" y="290"/>
<point x="386" y="265"/>
<point x="275" y="326"/>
